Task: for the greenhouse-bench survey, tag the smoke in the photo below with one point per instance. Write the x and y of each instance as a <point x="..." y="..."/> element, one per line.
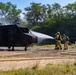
<point x="5" y="21"/>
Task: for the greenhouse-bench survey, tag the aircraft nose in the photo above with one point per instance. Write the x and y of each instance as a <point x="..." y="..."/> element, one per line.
<point x="41" y="37"/>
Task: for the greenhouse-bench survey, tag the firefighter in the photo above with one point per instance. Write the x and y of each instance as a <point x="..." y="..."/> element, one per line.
<point x="66" y="41"/>
<point x="57" y="41"/>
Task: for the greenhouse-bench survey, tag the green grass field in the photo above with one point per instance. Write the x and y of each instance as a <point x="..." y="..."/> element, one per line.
<point x="49" y="69"/>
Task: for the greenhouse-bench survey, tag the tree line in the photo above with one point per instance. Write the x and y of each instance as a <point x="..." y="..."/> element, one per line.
<point x="52" y="18"/>
<point x="47" y="18"/>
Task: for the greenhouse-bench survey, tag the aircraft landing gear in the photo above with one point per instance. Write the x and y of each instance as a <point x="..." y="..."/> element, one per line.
<point x="9" y="48"/>
<point x="12" y="48"/>
<point x="25" y="48"/>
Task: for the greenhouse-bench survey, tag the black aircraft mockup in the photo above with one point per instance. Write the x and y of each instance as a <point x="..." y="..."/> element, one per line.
<point x="12" y="35"/>
<point x="15" y="36"/>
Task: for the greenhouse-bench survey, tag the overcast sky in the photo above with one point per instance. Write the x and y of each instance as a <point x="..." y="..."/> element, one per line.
<point x="21" y="4"/>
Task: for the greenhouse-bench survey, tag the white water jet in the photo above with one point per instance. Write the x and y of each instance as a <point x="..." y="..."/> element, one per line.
<point x="41" y="36"/>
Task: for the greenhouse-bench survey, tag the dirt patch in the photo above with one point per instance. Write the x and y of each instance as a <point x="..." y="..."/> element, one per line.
<point x="41" y="56"/>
